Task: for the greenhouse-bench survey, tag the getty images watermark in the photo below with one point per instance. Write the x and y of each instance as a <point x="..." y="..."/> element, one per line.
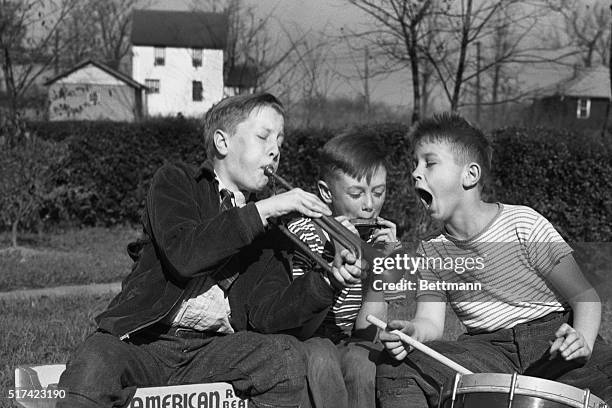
<point x="386" y="270"/>
<point x="483" y="266"/>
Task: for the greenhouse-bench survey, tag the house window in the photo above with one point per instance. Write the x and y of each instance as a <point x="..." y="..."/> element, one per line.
<point x="196" y="91"/>
<point x="160" y="56"/>
<point x="94" y="97"/>
<point x="584" y="108"/>
<point x="196" y="57"/>
<point x="152" y="85"/>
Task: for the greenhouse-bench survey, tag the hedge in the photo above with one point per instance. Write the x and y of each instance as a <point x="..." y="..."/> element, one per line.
<point x="106" y="175"/>
<point x="567" y="177"/>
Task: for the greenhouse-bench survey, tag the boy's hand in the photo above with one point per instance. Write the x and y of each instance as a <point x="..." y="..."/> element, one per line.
<point x="346" y="270"/>
<point x="386" y="234"/>
<point x="293" y="200"/>
<point x="395" y="347"/>
<point x="570" y="343"/>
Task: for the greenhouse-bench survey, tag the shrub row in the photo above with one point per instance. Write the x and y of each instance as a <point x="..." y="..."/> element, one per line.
<point x="106" y="174"/>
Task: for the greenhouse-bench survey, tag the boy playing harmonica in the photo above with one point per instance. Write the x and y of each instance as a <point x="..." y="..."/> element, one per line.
<point x="353" y="183"/>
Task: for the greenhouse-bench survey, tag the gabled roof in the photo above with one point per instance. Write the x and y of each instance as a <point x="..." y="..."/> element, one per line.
<point x="591" y="82"/>
<point x="182" y="29"/>
<point x="119" y="75"/>
<point x="243" y="76"/>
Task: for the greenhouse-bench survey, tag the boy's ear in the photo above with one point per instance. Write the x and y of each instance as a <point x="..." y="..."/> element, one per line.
<point x="220" y="139"/>
<point x="324" y="192"/>
<point x="472" y="175"/>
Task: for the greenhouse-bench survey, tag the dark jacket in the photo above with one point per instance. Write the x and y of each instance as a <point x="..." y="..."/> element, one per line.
<point x="188" y="237"/>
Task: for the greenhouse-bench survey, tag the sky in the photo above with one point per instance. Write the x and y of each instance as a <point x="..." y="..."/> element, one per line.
<point x="333" y="16"/>
<point x="313" y="16"/>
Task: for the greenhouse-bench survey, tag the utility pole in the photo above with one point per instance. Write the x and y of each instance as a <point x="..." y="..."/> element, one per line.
<point x="366" y="82"/>
<point x="478" y="82"/>
<point x="605" y="124"/>
<point x="56" y="55"/>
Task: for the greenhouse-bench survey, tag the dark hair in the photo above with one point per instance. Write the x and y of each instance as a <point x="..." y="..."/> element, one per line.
<point x="467" y="142"/>
<point x="355" y="152"/>
<point x="229" y="112"/>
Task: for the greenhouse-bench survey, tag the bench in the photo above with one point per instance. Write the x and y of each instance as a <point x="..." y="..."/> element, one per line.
<point x="36" y="387"/>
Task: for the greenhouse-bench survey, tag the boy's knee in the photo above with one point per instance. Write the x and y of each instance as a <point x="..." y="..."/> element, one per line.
<point x="276" y="363"/>
<point x="358" y="367"/>
<point x="321" y="356"/>
<point x="98" y="357"/>
<point x="93" y="352"/>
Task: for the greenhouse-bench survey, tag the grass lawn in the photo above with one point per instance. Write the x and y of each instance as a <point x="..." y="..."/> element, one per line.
<point x="79" y="256"/>
<point x="43" y="331"/>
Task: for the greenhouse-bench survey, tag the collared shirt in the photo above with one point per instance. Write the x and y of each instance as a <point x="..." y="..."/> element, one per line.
<point x="205" y="306"/>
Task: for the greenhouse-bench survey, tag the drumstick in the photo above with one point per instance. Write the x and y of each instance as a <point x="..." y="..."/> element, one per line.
<point x="420" y="346"/>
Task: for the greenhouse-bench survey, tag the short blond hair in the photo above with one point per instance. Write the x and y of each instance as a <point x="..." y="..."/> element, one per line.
<point x="229" y="112"/>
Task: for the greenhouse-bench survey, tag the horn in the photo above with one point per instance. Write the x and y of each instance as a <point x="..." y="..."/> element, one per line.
<point x="333" y="227"/>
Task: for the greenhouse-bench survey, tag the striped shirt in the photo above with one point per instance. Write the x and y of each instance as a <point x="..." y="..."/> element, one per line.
<point x="511" y="259"/>
<point x="347" y="302"/>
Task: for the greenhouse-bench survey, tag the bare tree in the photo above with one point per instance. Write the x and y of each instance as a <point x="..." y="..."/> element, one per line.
<point x="112" y="20"/>
<point x="501" y="53"/>
<point x="585" y="27"/>
<point x="360" y="64"/>
<point x="28" y="31"/>
<point x="427" y="69"/>
<point x="99" y="30"/>
<point x="397" y="26"/>
<point x="250" y="43"/>
<point x="437" y="39"/>
<point x="314" y="62"/>
<point x="460" y="27"/>
<point x="79" y="35"/>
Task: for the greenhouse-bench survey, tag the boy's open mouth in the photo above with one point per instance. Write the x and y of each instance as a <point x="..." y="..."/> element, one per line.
<point x="425" y="196"/>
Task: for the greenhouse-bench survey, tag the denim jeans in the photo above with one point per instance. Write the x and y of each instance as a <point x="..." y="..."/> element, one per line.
<point x="341" y="375"/>
<point x="416" y="381"/>
<point x="105" y="371"/>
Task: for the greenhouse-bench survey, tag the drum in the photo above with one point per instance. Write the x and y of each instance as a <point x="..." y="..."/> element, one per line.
<point x="488" y="390"/>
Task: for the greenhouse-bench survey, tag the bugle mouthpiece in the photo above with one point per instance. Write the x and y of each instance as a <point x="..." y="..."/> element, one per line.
<point x="269" y="171"/>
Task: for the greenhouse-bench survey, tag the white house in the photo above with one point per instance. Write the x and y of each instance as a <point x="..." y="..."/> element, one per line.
<point x="178" y="56"/>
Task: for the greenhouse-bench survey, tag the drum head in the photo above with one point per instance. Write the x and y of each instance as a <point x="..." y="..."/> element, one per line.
<point x="496" y="390"/>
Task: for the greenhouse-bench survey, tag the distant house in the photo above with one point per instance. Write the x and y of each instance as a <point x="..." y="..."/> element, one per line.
<point x="581" y="101"/>
<point x="92" y="91"/>
<point x="240" y="79"/>
<point x="178" y="55"/>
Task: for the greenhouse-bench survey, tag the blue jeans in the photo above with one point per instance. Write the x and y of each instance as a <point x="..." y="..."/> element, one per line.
<point x="341" y="375"/>
<point x="105" y="371"/>
<point x="416" y="381"/>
